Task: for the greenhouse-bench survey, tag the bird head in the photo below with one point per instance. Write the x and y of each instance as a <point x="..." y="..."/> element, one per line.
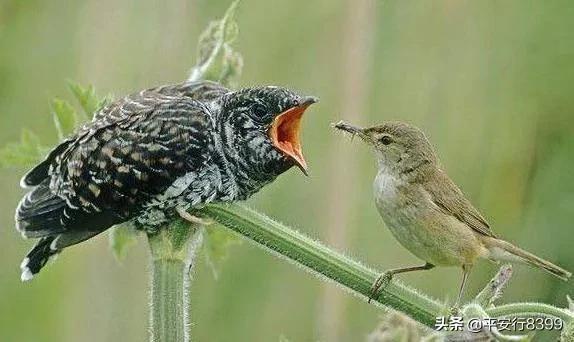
<point x="262" y="127"/>
<point x="399" y="147"/>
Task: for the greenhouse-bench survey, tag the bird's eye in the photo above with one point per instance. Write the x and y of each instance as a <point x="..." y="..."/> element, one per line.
<point x="295" y="103"/>
<point x="259" y="111"/>
<point x="385" y="140"/>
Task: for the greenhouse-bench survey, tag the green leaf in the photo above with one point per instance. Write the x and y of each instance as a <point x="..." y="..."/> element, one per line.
<point x="87" y="98"/>
<point x="104" y="101"/>
<point x="216" y="60"/>
<point x="25" y="153"/>
<point x="29" y="151"/>
<point x="65" y="117"/>
<point x="232" y="67"/>
<point x="122" y="237"/>
<point x="216" y="246"/>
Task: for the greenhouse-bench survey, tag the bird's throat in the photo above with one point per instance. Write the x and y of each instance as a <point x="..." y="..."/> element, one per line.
<point x="285" y="132"/>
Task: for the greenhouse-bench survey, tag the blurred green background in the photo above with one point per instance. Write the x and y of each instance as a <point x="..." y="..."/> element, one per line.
<point x="489" y="81"/>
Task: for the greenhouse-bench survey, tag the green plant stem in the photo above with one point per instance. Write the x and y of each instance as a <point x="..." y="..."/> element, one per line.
<point x="321" y="260"/>
<point x="530" y="310"/>
<point x="493" y="290"/>
<point x="173" y="249"/>
<point x="357" y="278"/>
<point x="168" y="293"/>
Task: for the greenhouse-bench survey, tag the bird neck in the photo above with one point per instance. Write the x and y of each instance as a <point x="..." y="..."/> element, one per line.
<point x="246" y="159"/>
<point x="407" y="170"/>
<point x="241" y="176"/>
<point x="247" y="180"/>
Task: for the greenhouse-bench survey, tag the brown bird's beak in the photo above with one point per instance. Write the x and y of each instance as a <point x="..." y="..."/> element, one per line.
<point x="353" y="130"/>
<point x="285" y="132"/>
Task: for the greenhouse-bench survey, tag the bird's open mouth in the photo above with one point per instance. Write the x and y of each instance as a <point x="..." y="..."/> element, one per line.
<point x="285" y="132"/>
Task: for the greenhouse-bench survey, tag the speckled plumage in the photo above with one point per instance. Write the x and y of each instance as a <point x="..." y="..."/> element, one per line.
<point x="143" y="156"/>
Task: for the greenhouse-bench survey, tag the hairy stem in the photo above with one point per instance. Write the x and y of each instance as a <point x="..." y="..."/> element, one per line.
<point x="326" y="263"/>
<point x="493" y="290"/>
<point x="530" y="310"/>
<point x="173" y="250"/>
<point x="168" y="319"/>
<point x="321" y="260"/>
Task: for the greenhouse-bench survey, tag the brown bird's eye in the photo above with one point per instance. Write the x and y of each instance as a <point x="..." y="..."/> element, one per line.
<point x="385" y="140"/>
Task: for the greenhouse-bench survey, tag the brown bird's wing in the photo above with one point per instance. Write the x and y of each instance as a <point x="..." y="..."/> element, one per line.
<point x="450" y="199"/>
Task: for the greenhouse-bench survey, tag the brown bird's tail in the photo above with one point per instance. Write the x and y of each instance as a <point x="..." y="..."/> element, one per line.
<point x="505" y="251"/>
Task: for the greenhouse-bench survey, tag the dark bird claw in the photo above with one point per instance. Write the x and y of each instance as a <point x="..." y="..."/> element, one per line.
<point x="382" y="281"/>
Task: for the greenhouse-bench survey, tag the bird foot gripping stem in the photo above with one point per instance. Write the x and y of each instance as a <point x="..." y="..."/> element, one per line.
<point x="382" y="281"/>
<point x="193" y="219"/>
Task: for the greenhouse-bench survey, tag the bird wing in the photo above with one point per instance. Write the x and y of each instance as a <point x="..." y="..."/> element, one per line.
<point x="451" y="201"/>
<point x="120" y="111"/>
<point x="121" y="165"/>
<point x="131" y="153"/>
<point x="200" y="90"/>
<point x="203" y="91"/>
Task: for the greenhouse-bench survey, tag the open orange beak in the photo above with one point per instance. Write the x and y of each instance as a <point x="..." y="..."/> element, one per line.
<point x="285" y="132"/>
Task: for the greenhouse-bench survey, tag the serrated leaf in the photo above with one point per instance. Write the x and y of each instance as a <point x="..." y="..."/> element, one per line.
<point x="25" y="153"/>
<point x="208" y="42"/>
<point x="121" y="238"/>
<point x="87" y="98"/>
<point x="231" y="29"/>
<point x="216" y="246"/>
<point x="65" y="117"/>
<point x="217" y="33"/>
<point x="106" y="100"/>
<point x="232" y="67"/>
<point x="216" y="59"/>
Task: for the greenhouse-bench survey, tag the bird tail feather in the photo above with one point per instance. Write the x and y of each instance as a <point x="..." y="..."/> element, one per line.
<point x="40" y="212"/>
<point x="49" y="247"/>
<point x="503" y="250"/>
<point x="40" y="215"/>
<point x="37" y="258"/>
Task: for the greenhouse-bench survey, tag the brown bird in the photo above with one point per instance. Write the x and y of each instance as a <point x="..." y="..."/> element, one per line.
<point x="425" y="210"/>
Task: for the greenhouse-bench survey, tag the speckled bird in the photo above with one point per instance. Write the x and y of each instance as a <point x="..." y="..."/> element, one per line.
<point x="155" y="154"/>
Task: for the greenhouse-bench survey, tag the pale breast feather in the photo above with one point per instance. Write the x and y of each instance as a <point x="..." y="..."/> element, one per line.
<point x="385" y="187"/>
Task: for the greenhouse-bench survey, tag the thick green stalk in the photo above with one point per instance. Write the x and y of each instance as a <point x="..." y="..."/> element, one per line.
<point x="167" y="300"/>
<point x="173" y="250"/>
<point x="357" y="278"/>
<point x="531" y="310"/>
<point x="321" y="260"/>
